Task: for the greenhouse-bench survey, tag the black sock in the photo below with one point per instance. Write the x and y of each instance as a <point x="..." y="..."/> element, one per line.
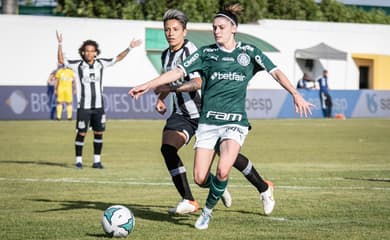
<point x="97" y="144"/>
<point x="177" y="171"/>
<point x="79" y="143"/>
<point x="245" y="167"/>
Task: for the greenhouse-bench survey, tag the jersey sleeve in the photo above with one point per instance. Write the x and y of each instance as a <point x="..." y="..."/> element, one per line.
<point x="73" y="64"/>
<point x="107" y="62"/>
<point x="191" y="49"/>
<point x="262" y="62"/>
<point x="192" y="63"/>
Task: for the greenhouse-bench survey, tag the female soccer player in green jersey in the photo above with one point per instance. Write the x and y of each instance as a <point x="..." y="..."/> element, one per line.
<point x="226" y="68"/>
<point x="183" y="121"/>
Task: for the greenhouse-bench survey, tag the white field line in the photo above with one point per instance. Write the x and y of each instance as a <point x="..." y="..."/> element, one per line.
<point x="168" y="183"/>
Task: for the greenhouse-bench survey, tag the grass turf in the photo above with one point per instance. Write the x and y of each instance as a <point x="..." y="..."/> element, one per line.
<point x="331" y="176"/>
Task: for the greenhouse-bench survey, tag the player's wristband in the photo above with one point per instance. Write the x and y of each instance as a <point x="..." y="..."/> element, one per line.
<point x="173" y="88"/>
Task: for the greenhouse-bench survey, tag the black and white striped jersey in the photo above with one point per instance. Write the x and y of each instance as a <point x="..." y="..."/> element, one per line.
<point x="185" y="103"/>
<point x="89" y="81"/>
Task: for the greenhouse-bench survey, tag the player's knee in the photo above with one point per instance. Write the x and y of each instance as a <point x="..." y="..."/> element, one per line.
<point x="200" y="179"/>
<point x="223" y="174"/>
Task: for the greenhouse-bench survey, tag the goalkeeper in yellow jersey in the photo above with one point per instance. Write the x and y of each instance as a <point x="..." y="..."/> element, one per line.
<point x="65" y="89"/>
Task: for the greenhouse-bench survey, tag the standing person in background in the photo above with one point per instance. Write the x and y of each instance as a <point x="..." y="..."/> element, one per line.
<point x="226" y="68"/>
<point x="52" y="102"/>
<point x="326" y="100"/>
<point x="183" y="122"/>
<point x="65" y="87"/>
<point x="306" y="82"/>
<point x="90" y="106"/>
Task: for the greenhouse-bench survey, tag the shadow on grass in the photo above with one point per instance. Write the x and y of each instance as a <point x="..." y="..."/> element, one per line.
<point x="35" y="162"/>
<point x="147" y="212"/>
<point x="369" y="179"/>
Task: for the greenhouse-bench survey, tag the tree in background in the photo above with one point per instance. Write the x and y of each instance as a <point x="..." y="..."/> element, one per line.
<point x="203" y="10"/>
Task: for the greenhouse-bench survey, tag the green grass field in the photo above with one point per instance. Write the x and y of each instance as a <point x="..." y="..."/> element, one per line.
<point x="332" y="181"/>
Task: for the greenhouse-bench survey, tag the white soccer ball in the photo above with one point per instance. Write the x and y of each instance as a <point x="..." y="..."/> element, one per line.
<point x="118" y="221"/>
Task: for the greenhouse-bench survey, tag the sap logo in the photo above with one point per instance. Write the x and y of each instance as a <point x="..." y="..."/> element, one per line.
<point x="262" y="104"/>
<point x="227" y="76"/>
<point x="224" y="116"/>
<point x="372" y="105"/>
<point x="340" y="105"/>
<point x="385" y="103"/>
<point x="228" y="59"/>
<point x="191" y="60"/>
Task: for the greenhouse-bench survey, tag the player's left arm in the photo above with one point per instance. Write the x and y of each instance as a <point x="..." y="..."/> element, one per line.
<point x="134" y="43"/>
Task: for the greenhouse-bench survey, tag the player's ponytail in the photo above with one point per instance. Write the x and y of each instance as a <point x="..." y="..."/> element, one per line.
<point x="231" y="12"/>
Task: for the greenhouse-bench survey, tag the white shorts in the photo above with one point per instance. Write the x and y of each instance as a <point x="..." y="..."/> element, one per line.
<point x="207" y="136"/>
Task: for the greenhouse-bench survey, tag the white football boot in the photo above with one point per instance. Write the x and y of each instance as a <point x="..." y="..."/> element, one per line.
<point x="202" y="222"/>
<point x="267" y="198"/>
<point x="185" y="206"/>
<point x="226" y="199"/>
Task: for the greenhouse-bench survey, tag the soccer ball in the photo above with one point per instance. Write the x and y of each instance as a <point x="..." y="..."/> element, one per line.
<point x="118" y="221"/>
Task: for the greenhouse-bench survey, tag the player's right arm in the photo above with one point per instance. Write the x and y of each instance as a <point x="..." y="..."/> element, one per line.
<point x="60" y="54"/>
<point x="164" y="78"/>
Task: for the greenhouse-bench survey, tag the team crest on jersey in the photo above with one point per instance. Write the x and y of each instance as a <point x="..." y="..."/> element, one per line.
<point x="243" y="59"/>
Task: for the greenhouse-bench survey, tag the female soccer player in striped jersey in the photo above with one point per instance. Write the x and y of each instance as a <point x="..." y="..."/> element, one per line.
<point x="183" y="122"/>
<point x="90" y="105"/>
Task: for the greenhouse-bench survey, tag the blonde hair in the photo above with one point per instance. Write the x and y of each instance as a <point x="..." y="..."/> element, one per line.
<point x="236" y="9"/>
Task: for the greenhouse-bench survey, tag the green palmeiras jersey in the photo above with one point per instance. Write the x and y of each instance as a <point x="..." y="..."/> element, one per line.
<point x="225" y="78"/>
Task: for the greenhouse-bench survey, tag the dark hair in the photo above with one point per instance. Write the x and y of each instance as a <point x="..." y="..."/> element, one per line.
<point x="177" y="15"/>
<point x="230" y="12"/>
<point x="88" y="43"/>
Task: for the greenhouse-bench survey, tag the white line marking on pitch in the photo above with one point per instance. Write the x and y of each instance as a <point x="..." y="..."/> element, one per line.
<point x="132" y="182"/>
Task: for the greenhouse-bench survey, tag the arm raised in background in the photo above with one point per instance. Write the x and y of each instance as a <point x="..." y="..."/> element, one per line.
<point x="60" y="54"/>
<point x="301" y="105"/>
<point x="134" y="43"/>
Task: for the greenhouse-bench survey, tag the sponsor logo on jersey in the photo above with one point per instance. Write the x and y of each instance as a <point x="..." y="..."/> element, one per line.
<point x="224" y="116"/>
<point x="210" y="50"/>
<point x="259" y="61"/>
<point x="243" y="59"/>
<point x="227" y="76"/>
<point x="191" y="60"/>
<point x="215" y="58"/>
<point x="247" y="47"/>
<point x="228" y="59"/>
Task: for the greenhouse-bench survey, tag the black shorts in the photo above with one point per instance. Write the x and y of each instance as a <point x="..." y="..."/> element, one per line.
<point x="96" y="118"/>
<point x="182" y="124"/>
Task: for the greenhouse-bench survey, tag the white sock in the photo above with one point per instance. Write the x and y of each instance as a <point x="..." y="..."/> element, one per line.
<point x="96" y="158"/>
<point x="79" y="159"/>
<point x="207" y="210"/>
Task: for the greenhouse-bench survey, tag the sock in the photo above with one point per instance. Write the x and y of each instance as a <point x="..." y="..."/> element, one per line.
<point x="207" y="183"/>
<point x="79" y="143"/>
<point x="69" y="111"/>
<point x="96" y="158"/>
<point x="246" y="167"/>
<point x="97" y="147"/>
<point x="217" y="188"/>
<point x="59" y="111"/>
<point x="177" y="171"/>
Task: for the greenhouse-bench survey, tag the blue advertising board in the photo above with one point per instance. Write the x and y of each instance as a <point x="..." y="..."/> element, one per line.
<point x="32" y="102"/>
